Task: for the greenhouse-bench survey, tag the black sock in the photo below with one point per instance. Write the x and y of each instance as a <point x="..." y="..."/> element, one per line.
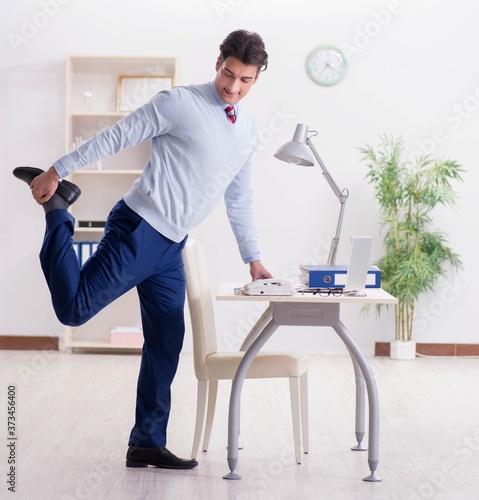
<point x="55" y="202"/>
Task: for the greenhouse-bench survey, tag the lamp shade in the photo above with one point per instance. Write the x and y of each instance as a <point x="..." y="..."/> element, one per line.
<point x="297" y="151"/>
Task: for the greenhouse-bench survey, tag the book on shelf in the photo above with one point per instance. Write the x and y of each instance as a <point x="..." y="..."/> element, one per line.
<point x="84" y="250"/>
<point x="77" y="142"/>
<point x="91" y="223"/>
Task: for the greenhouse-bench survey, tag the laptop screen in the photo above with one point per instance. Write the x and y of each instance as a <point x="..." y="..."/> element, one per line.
<point x="358" y="263"/>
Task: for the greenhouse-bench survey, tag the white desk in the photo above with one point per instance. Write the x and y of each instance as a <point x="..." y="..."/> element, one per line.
<point x="308" y="310"/>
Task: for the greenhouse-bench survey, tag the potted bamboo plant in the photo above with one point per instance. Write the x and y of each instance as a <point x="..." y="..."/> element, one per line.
<point x="415" y="253"/>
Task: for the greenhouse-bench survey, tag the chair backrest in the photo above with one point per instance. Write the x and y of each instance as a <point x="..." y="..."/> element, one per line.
<point x="200" y="305"/>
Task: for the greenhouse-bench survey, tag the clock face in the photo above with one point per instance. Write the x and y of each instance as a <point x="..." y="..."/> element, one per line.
<point x="326" y="65"/>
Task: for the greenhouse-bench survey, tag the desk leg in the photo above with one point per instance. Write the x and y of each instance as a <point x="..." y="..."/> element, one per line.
<point x="360" y="406"/>
<point x="257" y="328"/>
<point x="373" y="399"/>
<point x="235" y="398"/>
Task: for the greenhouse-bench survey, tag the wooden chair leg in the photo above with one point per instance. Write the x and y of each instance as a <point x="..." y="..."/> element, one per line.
<point x="212" y="393"/>
<point x="303" y="395"/>
<point x="202" y="393"/>
<point x="296" y="413"/>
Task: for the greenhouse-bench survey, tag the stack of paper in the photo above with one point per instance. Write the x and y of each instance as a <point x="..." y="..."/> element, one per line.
<point x="128" y="336"/>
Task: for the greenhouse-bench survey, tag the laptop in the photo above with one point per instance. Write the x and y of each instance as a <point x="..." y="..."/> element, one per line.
<point x="358" y="266"/>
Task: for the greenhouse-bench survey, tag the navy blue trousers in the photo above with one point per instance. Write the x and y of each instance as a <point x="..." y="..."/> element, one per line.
<point x="131" y="253"/>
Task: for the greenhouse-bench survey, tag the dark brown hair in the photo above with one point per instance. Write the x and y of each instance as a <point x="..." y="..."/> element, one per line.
<point x="247" y="47"/>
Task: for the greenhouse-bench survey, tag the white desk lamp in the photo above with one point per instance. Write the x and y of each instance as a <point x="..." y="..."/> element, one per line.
<point x="297" y="153"/>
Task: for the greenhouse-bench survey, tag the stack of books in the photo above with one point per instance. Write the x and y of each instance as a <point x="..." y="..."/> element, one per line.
<point x="84" y="249"/>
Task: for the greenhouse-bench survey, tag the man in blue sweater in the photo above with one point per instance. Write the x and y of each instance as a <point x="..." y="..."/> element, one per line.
<point x="200" y="137"/>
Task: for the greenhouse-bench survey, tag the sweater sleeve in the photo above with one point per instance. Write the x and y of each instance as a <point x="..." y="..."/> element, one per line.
<point x="158" y="116"/>
<point x="239" y="207"/>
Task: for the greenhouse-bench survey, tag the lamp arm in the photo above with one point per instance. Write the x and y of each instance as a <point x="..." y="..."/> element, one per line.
<point x="335" y="241"/>
<point x="341" y="195"/>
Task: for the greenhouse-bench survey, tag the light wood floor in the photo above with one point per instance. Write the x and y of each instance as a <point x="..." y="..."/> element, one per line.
<point x="74" y="413"/>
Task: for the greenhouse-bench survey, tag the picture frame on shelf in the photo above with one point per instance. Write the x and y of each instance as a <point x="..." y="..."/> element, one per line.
<point x="136" y="90"/>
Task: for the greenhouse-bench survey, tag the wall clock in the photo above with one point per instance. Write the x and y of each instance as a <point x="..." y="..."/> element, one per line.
<point x="326" y="65"/>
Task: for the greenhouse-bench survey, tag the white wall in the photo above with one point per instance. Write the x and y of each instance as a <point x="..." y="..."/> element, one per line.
<point x="412" y="72"/>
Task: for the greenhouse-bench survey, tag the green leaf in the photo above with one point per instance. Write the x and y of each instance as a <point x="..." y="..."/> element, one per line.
<point x="415" y="253"/>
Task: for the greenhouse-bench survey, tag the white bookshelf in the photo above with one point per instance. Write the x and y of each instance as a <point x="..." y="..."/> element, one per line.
<point x="97" y="95"/>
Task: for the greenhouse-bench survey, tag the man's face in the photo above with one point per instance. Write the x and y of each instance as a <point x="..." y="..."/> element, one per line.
<point x="234" y="79"/>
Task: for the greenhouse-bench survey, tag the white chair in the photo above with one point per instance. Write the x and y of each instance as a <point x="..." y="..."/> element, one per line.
<point x="212" y="366"/>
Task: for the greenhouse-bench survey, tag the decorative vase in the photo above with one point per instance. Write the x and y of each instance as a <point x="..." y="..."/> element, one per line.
<point x="403" y="349"/>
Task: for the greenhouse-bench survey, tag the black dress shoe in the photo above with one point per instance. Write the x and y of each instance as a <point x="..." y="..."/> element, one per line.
<point x="27" y="174"/>
<point x="158" y="456"/>
<point x="71" y="192"/>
